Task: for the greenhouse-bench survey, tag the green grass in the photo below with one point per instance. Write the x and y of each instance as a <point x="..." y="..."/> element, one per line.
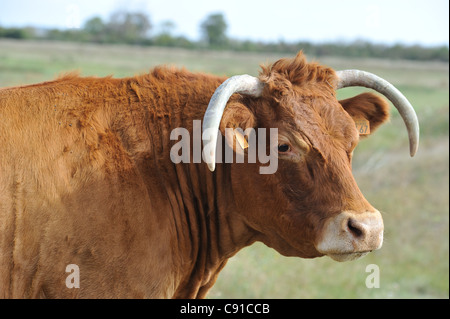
<point x="23" y="62"/>
<point x="412" y="194"/>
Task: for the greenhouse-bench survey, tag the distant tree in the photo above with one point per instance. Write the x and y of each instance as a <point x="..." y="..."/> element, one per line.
<point x="128" y="27"/>
<point x="165" y="36"/>
<point x="17" y="33"/>
<point x="167" y="27"/>
<point x="94" y="25"/>
<point x="96" y="29"/>
<point x="214" y="29"/>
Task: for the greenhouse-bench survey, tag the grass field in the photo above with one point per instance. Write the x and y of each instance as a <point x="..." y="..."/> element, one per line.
<point x="411" y="193"/>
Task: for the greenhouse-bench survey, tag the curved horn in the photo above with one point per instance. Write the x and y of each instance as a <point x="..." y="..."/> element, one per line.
<point x="243" y="84"/>
<point x="361" y="78"/>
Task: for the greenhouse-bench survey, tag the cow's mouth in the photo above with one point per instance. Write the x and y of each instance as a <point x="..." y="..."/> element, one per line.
<point x="351" y="235"/>
<point x="348" y="256"/>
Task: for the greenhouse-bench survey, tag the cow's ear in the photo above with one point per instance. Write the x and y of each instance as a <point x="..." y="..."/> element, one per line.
<point x="237" y="117"/>
<point x="367" y="106"/>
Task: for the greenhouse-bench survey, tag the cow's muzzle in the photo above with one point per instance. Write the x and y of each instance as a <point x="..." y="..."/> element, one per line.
<point x="351" y="235"/>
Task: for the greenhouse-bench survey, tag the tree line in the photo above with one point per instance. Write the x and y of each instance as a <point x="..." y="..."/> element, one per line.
<point x="136" y="28"/>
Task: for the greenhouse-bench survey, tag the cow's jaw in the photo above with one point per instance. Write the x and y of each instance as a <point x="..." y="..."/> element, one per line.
<point x="350" y="235"/>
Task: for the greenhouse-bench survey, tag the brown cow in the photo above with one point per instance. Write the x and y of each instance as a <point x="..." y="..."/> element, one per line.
<point x="88" y="190"/>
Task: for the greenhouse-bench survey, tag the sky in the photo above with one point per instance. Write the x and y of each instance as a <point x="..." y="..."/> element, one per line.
<point x="424" y="22"/>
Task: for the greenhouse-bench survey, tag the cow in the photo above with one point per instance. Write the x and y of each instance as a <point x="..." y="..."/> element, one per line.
<point x="92" y="206"/>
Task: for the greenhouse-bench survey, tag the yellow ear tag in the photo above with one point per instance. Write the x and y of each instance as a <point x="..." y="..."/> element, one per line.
<point x="241" y="140"/>
<point x="363" y="126"/>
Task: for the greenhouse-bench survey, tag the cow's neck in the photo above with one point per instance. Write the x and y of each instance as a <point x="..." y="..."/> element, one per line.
<point x="197" y="204"/>
<point x="210" y="230"/>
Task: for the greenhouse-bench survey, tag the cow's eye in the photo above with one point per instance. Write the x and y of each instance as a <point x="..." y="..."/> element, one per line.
<point x="283" y="148"/>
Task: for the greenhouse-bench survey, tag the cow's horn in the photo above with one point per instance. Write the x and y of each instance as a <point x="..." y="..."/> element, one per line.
<point x="361" y="78"/>
<point x="243" y="84"/>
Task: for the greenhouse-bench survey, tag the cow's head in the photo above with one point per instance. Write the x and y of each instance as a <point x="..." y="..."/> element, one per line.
<point x="311" y="206"/>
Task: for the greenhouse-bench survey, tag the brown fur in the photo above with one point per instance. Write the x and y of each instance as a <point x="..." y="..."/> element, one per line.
<point x="86" y="179"/>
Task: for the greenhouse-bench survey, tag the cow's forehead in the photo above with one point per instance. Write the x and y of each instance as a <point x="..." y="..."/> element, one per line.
<point x="303" y="96"/>
<point x="324" y="123"/>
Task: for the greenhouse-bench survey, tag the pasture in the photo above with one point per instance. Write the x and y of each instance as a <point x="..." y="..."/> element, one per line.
<point x="411" y="193"/>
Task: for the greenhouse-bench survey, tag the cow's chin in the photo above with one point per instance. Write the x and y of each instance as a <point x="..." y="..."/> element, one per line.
<point x="291" y="249"/>
<point x="348" y="256"/>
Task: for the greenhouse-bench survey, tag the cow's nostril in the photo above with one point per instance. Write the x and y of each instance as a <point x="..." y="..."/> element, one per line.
<point x="355" y="228"/>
